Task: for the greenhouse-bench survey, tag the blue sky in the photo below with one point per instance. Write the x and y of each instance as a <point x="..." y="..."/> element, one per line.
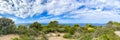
<point x="64" y="11"/>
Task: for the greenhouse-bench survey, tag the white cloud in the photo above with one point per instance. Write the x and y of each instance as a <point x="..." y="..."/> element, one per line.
<point x="23" y="8"/>
<point x="102" y="9"/>
<point x="14" y="19"/>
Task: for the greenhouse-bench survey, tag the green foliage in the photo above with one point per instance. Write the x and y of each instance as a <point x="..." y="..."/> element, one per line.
<point x="109" y="24"/>
<point x="108" y="37"/>
<point x="90" y="29"/>
<point x="86" y="36"/>
<point x="36" y="25"/>
<point x="76" y="27"/>
<point x="27" y="38"/>
<point x="67" y="35"/>
<point x="88" y="32"/>
<point x="46" y="29"/>
<point x="32" y="32"/>
<point x="61" y="30"/>
<point x="5" y="22"/>
<point x="7" y="26"/>
<point x="89" y="25"/>
<point x="103" y="37"/>
<point x="100" y="33"/>
<point x="44" y="37"/>
<point x="69" y="29"/>
<point x="15" y="39"/>
<point x="9" y="30"/>
<point x="53" y="24"/>
<point x="23" y="37"/>
<point x="22" y="29"/>
<point x="106" y="33"/>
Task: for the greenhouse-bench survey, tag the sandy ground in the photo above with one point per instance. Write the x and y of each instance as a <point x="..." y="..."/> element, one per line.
<point x="51" y="36"/>
<point x="117" y="33"/>
<point x="57" y="38"/>
<point x="8" y="37"/>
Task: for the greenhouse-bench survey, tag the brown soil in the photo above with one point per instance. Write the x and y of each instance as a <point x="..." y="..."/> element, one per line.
<point x="117" y="33"/>
<point x="8" y="37"/>
<point x="51" y="36"/>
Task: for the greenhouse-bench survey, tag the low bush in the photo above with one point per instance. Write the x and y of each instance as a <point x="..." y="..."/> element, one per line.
<point x="15" y="39"/>
<point x="86" y="36"/>
<point x="24" y="37"/>
<point x="67" y="35"/>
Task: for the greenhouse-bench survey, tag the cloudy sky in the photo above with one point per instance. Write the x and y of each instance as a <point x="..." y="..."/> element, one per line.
<point x="65" y="11"/>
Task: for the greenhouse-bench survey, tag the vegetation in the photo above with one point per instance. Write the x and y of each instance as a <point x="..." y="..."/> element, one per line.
<point x="67" y="35"/>
<point x="7" y="26"/>
<point x="87" y="32"/>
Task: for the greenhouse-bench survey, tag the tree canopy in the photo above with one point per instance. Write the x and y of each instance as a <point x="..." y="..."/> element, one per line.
<point x="35" y="25"/>
<point x="7" y="25"/>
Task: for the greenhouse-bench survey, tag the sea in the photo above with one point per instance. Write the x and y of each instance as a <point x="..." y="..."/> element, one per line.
<point x="68" y="24"/>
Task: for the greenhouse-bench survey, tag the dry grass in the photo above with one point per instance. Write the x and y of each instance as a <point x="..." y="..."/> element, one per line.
<point x="51" y="36"/>
<point x="117" y="33"/>
<point x="8" y="37"/>
<point x="54" y="36"/>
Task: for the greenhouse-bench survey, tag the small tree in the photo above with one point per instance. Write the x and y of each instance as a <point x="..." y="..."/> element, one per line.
<point x="69" y="29"/>
<point x="7" y="26"/>
<point x="53" y="25"/>
<point x="36" y="25"/>
<point x="22" y="29"/>
<point x="109" y="24"/>
<point x="76" y="27"/>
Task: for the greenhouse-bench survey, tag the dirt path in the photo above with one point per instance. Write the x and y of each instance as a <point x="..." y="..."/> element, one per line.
<point x="53" y="36"/>
<point x="8" y="37"/>
<point x="117" y="33"/>
<point x="57" y="38"/>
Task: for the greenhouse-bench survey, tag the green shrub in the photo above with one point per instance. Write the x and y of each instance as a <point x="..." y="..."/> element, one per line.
<point x="70" y="30"/>
<point x="7" y="26"/>
<point x="15" y="39"/>
<point x="108" y="37"/>
<point x="36" y="26"/>
<point x="67" y="35"/>
<point x="61" y="30"/>
<point x="46" y="29"/>
<point x="22" y="29"/>
<point x="86" y="36"/>
<point x="43" y="38"/>
<point x="103" y="37"/>
<point x="24" y="37"/>
<point x="32" y="32"/>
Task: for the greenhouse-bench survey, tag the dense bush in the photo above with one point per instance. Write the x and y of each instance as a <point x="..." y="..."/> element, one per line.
<point x="67" y="35"/>
<point x="36" y="26"/>
<point x="31" y="32"/>
<point x="86" y="36"/>
<point x="15" y="39"/>
<point x="22" y="29"/>
<point x="24" y="37"/>
<point x="7" y="26"/>
<point x="43" y="37"/>
<point x="53" y="25"/>
<point x="88" y="32"/>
